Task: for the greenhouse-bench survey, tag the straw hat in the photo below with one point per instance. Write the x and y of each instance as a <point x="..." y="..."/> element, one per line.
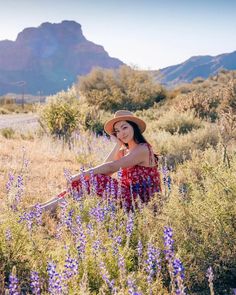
<point x="124" y="115"/>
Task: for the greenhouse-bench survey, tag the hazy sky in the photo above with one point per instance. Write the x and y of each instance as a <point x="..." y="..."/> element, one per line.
<point x="149" y="34"/>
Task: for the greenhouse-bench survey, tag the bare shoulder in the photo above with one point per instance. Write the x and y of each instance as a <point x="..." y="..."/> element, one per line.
<point x="141" y="149"/>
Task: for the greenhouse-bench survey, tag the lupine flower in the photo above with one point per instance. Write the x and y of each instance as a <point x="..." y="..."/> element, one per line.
<point x="130" y="225"/>
<point x="34" y="282"/>
<point x="13" y="283"/>
<point x="38" y="214"/>
<point x="132" y="287"/>
<point x="69" y="219"/>
<point x="140" y="251"/>
<point x="106" y="276"/>
<point x="8" y="235"/>
<point x="169" y="182"/>
<point x="54" y="280"/>
<point x="168" y="242"/>
<point x="113" y="191"/>
<point x="98" y="213"/>
<point x="81" y="243"/>
<point x="71" y="267"/>
<point x="28" y="217"/>
<point x="152" y="262"/>
<point x="10" y="182"/>
<point x="96" y="246"/>
<point x="178" y="268"/>
<point x="119" y="178"/>
<point x="121" y="264"/>
<point x="210" y="277"/>
<point x="179" y="276"/>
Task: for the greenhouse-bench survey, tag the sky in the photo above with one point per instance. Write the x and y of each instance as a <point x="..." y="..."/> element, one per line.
<point x="147" y="34"/>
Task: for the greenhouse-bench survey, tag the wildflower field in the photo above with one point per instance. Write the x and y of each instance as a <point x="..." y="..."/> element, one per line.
<point x="181" y="242"/>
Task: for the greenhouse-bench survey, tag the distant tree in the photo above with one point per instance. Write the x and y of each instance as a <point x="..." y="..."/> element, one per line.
<point x="111" y="90"/>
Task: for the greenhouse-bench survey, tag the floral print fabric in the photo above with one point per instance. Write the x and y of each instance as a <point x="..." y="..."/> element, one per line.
<point x="137" y="181"/>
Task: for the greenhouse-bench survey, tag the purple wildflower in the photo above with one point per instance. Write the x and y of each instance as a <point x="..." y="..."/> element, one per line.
<point x="28" y="217"/>
<point x="140" y="251"/>
<point x="121" y="263"/>
<point x="152" y="263"/>
<point x="13" y="283"/>
<point x="106" y="277"/>
<point x="71" y="267"/>
<point x="9" y="182"/>
<point x="98" y="213"/>
<point x="34" y="282"/>
<point x="168" y="242"/>
<point x="54" y="280"/>
<point x="38" y="214"/>
<point x="132" y="287"/>
<point x="130" y="225"/>
<point x="179" y="276"/>
<point x="96" y="246"/>
<point x="81" y="243"/>
<point x="8" y="235"/>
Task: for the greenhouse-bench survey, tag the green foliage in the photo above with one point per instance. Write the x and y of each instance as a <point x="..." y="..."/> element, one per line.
<point x="92" y="118"/>
<point x="60" y="115"/>
<point x="203" y="217"/>
<point x="124" y="88"/>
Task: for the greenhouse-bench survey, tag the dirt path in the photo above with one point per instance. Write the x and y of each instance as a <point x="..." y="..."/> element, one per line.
<point x="19" y="121"/>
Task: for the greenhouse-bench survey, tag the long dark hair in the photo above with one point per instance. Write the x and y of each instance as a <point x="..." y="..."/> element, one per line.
<point x="139" y="138"/>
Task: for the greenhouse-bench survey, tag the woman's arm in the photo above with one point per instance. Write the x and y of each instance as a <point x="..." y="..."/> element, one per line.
<point x="136" y="157"/>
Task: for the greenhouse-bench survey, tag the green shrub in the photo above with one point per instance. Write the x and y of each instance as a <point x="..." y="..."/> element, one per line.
<point x="60" y="115"/>
<point x="176" y="122"/>
<point x="203" y="218"/>
<point x="8" y="132"/>
<point x="124" y="88"/>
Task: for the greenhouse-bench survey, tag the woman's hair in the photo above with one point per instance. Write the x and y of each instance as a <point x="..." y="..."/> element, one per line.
<point x="138" y="137"/>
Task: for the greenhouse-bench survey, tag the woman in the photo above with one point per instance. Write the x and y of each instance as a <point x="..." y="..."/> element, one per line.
<point x="132" y="156"/>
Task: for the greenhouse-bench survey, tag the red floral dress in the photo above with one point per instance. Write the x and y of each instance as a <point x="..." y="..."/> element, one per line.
<point x="132" y="183"/>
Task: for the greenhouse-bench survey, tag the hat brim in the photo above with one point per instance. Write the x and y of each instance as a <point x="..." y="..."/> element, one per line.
<point x="108" y="127"/>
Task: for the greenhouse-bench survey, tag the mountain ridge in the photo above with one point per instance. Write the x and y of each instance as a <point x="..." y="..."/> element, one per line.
<point x="197" y="66"/>
<point x="49" y="58"/>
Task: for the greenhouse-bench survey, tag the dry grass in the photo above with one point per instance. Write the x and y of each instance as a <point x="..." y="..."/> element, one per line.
<point x="44" y="177"/>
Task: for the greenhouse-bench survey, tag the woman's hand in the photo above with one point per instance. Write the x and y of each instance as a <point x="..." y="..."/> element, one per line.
<point x="77" y="177"/>
<point x="116" y="140"/>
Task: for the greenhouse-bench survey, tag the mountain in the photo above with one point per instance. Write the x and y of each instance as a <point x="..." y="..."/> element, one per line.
<point x="197" y="66"/>
<point x="49" y="58"/>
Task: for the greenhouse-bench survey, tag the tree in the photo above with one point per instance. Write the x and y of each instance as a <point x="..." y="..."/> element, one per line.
<point x="124" y="88"/>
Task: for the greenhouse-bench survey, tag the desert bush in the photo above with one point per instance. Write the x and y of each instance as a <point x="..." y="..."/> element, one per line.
<point x="92" y="118"/>
<point x="60" y="115"/>
<point x="8" y="132"/>
<point x="209" y="98"/>
<point x="178" y="148"/>
<point x="181" y="123"/>
<point x="124" y="88"/>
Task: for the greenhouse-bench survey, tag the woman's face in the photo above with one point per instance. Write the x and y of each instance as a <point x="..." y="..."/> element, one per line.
<point x="124" y="131"/>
